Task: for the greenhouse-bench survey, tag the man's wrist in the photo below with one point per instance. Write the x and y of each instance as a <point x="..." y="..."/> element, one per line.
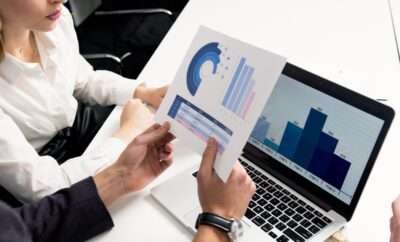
<point x="110" y="184"/>
<point x="210" y="234"/>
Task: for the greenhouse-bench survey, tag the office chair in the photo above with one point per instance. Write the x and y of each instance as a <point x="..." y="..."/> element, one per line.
<point x="131" y="41"/>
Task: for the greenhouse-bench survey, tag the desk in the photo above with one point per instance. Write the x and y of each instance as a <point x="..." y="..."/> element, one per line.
<point x="350" y="42"/>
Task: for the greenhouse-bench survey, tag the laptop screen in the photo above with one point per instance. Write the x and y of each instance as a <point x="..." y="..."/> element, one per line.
<point x="323" y="139"/>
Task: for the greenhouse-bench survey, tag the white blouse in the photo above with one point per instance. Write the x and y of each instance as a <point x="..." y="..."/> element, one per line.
<point x="37" y="100"/>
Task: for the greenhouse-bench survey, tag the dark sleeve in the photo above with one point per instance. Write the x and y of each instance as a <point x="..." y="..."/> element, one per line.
<point x="12" y="229"/>
<point x="73" y="214"/>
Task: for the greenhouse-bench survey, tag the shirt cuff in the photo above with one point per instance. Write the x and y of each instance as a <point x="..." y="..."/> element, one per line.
<point x="94" y="215"/>
<point x="124" y="90"/>
<point x="97" y="159"/>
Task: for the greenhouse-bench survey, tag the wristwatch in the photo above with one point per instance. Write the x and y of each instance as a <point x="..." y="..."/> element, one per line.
<point x="233" y="227"/>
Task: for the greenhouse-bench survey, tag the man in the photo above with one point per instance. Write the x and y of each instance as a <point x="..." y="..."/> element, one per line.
<point x="80" y="212"/>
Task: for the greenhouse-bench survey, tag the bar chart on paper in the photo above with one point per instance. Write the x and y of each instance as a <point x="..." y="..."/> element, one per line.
<point x="240" y="93"/>
<point x="199" y="122"/>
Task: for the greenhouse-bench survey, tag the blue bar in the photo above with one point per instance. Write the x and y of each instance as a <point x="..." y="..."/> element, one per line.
<point x="290" y="140"/>
<point x="247" y="92"/>
<point x="243" y="90"/>
<point x="337" y="172"/>
<point x="271" y="144"/>
<point x="323" y="155"/>
<point x="228" y="94"/>
<point x="261" y="129"/>
<point x="309" y="138"/>
<point x="236" y="90"/>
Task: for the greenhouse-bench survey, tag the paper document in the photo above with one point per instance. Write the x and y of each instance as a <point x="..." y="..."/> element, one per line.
<point x="219" y="91"/>
<point x="395" y="11"/>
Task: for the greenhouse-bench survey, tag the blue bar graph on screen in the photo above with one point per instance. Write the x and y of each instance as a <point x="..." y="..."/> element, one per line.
<point x="290" y="140"/>
<point x="308" y="147"/>
<point x="240" y="93"/>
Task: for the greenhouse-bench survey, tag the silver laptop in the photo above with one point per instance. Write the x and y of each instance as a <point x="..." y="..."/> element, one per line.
<point x="310" y="155"/>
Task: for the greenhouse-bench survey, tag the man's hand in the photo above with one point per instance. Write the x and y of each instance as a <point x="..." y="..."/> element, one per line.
<point x="230" y="199"/>
<point x="145" y="158"/>
<point x="151" y="95"/>
<point x="395" y="221"/>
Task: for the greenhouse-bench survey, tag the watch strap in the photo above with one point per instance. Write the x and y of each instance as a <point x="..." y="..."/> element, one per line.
<point x="214" y="220"/>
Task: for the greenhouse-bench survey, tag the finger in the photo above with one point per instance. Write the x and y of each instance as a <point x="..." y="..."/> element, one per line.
<point x="152" y="128"/>
<point x="154" y="135"/>
<point x="209" y="154"/>
<point x="396" y="208"/>
<point x="164" y="164"/>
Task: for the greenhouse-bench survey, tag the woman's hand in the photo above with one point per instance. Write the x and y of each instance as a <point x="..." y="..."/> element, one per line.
<point x="136" y="117"/>
<point x="151" y="95"/>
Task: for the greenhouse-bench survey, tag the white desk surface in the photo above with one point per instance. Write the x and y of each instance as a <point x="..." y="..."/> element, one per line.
<point x="350" y="42"/>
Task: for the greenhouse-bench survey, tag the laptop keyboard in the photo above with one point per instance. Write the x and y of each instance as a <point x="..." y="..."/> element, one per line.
<point x="281" y="214"/>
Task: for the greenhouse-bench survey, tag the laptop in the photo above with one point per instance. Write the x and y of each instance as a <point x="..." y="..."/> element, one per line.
<point x="310" y="155"/>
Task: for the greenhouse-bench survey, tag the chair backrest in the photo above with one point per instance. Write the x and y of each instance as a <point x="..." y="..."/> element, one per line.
<point x="81" y="9"/>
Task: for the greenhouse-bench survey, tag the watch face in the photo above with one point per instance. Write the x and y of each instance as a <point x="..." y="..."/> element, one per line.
<point x="237" y="230"/>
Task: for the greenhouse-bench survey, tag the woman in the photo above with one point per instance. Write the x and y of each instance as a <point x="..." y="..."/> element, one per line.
<point x="42" y="75"/>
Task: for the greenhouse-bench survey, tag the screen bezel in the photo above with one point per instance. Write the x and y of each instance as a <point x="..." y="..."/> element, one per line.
<point x="300" y="184"/>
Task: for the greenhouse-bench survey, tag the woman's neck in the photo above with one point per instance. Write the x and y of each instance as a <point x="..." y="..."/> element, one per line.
<point x="20" y="43"/>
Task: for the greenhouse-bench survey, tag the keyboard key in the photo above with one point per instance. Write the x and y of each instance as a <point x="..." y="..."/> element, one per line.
<point x="273" y="220"/>
<point x="276" y="213"/>
<point x="274" y="201"/>
<point x="285" y="199"/>
<point x="260" y="191"/>
<point x="303" y="232"/>
<point x="271" y="189"/>
<point x="258" y="209"/>
<point x="319" y="222"/>
<point x="251" y="168"/>
<point x="293" y="204"/>
<point x="314" y="229"/>
<point x="309" y="208"/>
<point x="255" y="197"/>
<point x="297" y="217"/>
<point x="252" y="204"/>
<point x="284" y="218"/>
<point x="262" y="202"/>
<point x="293" y="197"/>
<point x="265" y="215"/>
<point x="300" y="210"/>
<point x="281" y="226"/>
<point x="264" y="177"/>
<point x="305" y="223"/>
<point x="292" y="224"/>
<point x="258" y="221"/>
<point x="271" y="182"/>
<point x="282" y="238"/>
<point x="267" y="227"/>
<point x="318" y="214"/>
<point x="264" y="184"/>
<point x="286" y="192"/>
<point x="279" y="187"/>
<point x="267" y="196"/>
<point x="250" y="214"/>
<point x="272" y="234"/>
<point x="301" y="202"/>
<point x="308" y="215"/>
<point x="293" y="236"/>
<point x="269" y="207"/>
<point x="327" y="220"/>
<point x="289" y="212"/>
<point x="278" y="194"/>
<point x="282" y="206"/>
<point x="257" y="172"/>
<point x="257" y="179"/>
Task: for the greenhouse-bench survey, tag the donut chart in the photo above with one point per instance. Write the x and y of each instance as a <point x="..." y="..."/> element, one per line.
<point x="209" y="52"/>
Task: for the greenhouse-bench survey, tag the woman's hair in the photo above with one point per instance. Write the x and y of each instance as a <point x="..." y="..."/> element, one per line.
<point x="1" y="41"/>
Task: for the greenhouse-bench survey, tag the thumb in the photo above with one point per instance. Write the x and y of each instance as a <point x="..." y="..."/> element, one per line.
<point x="207" y="163"/>
<point x="154" y="135"/>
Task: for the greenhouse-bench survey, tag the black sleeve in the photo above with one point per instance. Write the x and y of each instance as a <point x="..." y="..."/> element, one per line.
<point x="12" y="229"/>
<point x="73" y="214"/>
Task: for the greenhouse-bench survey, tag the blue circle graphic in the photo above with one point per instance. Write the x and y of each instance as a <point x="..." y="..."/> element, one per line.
<point x="209" y="52"/>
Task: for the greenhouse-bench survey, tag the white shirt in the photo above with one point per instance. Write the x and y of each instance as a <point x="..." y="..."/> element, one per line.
<point x="37" y="100"/>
